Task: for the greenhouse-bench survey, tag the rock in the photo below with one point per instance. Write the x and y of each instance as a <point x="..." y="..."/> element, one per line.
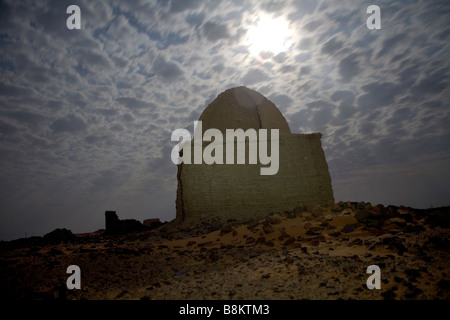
<point x="114" y="226"/>
<point x="375" y="211"/>
<point x="205" y="244"/>
<point x="403" y="210"/>
<point x="111" y="220"/>
<point x="380" y="207"/>
<point x="269" y="243"/>
<point x="226" y="230"/>
<point x="261" y="240"/>
<point x="439" y="218"/>
<point x="289" y="260"/>
<point x="444" y="284"/>
<point x="411" y="228"/>
<point x="214" y="255"/>
<point x="317" y="211"/>
<point x="438" y="242"/>
<point x="268" y="229"/>
<point x="375" y="231"/>
<point x="312" y="233"/>
<point x="395" y="221"/>
<point x="331" y="227"/>
<point x="394" y="242"/>
<point x="362" y="215"/>
<point x="273" y="220"/>
<point x="412" y="274"/>
<point x="336" y="208"/>
<point x="389" y="294"/>
<point x="152" y="223"/>
<point x="412" y="292"/>
<point x="283" y="235"/>
<point x="252" y="224"/>
<point x="335" y="234"/>
<point x="291" y="215"/>
<point x="289" y="241"/>
<point x="300" y="269"/>
<point x="298" y="211"/>
<point x="400" y="248"/>
<point x="374" y="223"/>
<point x="361" y="205"/>
<point x="250" y="240"/>
<point x="349" y="228"/>
<point x="54" y="252"/>
<point x="355" y="242"/>
<point x="398" y="279"/>
<point x="265" y="276"/>
<point x="60" y="235"/>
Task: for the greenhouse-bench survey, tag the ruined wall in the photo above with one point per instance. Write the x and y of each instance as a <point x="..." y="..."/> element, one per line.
<point x="241" y="192"/>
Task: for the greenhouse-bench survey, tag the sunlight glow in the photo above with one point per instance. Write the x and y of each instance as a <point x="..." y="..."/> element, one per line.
<point x="269" y="35"/>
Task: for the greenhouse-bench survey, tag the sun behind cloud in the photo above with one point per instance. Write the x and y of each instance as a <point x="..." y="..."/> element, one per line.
<point x="269" y="35"/>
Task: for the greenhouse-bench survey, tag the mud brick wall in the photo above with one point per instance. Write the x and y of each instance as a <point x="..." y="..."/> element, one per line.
<point x="239" y="191"/>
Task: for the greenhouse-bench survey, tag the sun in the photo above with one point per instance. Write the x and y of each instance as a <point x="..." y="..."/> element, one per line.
<point x="269" y="35"/>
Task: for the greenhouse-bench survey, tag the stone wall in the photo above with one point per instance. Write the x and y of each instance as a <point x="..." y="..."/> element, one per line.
<point x="115" y="226"/>
<point x="240" y="192"/>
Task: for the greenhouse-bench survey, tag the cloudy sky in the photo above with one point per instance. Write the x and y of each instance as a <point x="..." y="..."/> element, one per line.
<point x="86" y="115"/>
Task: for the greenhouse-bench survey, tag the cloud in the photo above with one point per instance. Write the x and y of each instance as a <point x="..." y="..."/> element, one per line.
<point x="79" y="106"/>
<point x="133" y="103"/>
<point x="166" y="70"/>
<point x="281" y="57"/>
<point x="6" y="128"/>
<point x="69" y="123"/>
<point x="332" y="46"/>
<point x="214" y="31"/>
<point x="110" y="180"/>
<point x="254" y="76"/>
<point x="282" y="101"/>
<point x="346" y="108"/>
<point x="378" y="94"/>
<point x="348" y="68"/>
<point x="177" y="6"/>
<point x="305" y="70"/>
<point x="390" y="43"/>
<point x="313" y="25"/>
<point x="195" y="19"/>
<point x="344" y="96"/>
<point x="404" y="114"/>
<point x="433" y="83"/>
<point x="7" y="90"/>
<point x="27" y="117"/>
<point x="272" y="5"/>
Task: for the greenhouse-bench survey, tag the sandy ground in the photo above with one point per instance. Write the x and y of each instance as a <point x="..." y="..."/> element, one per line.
<point x="322" y="253"/>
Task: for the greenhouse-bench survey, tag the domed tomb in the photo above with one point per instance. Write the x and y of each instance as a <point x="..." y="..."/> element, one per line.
<point x="243" y="108"/>
<point x="221" y="192"/>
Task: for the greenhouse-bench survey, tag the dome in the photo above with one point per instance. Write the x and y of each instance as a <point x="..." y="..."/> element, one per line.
<point x="243" y="108"/>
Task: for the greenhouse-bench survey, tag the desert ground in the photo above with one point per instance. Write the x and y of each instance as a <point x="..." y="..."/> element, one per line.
<point x="309" y="253"/>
